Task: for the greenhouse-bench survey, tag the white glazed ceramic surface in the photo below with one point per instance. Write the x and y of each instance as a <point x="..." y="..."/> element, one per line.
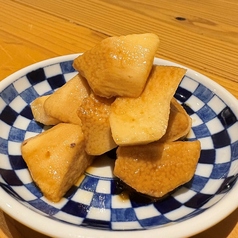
<point x="95" y="207"/>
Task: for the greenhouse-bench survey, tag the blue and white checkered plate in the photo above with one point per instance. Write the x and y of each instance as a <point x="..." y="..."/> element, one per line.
<point x="97" y="206"/>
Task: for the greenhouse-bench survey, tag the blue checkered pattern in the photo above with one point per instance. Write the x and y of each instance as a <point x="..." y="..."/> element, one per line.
<point x="101" y="202"/>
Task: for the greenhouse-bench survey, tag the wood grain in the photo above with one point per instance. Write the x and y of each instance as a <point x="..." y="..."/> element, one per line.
<point x="205" y="39"/>
<point x="28" y="36"/>
<point x="202" y="35"/>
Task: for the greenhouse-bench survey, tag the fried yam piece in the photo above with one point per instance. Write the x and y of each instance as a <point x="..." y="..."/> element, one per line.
<point x="94" y="114"/>
<point x="157" y="168"/>
<point x="145" y="119"/>
<point x="179" y="123"/>
<point x="39" y="114"/>
<point x="120" y="65"/>
<point x="56" y="159"/>
<point x="64" y="103"/>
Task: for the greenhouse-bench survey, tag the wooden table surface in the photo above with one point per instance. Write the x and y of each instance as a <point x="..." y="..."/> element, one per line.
<point x="202" y="35"/>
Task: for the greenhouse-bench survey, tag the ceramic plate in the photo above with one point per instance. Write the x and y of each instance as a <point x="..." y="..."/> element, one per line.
<point x="97" y="205"/>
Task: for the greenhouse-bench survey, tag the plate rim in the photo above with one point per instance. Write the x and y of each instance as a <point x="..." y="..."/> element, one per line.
<point x="184" y="228"/>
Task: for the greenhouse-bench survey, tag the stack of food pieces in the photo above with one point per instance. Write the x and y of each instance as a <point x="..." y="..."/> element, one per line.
<point x="119" y="99"/>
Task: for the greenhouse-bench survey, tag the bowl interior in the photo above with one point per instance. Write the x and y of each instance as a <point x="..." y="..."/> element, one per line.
<point x="99" y="200"/>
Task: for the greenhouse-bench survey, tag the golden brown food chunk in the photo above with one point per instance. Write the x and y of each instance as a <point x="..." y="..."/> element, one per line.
<point x="56" y="158"/>
<point x="38" y="111"/>
<point x="119" y="66"/>
<point x="179" y="122"/>
<point x="94" y="114"/>
<point x="157" y="168"/>
<point x="144" y="119"/>
<point x="64" y="103"/>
